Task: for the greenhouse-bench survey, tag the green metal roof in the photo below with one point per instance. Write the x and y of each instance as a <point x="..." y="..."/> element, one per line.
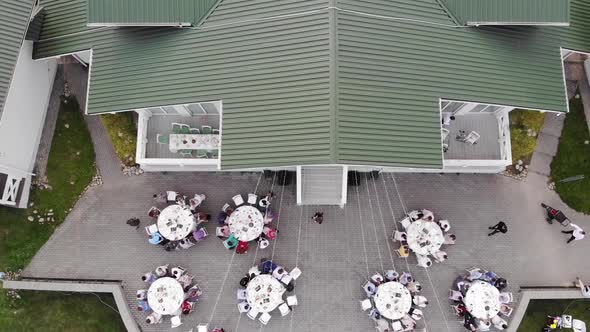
<point x="148" y="12"/>
<point x="356" y="85"/>
<point x="506" y="12"/>
<point x="14" y="19"/>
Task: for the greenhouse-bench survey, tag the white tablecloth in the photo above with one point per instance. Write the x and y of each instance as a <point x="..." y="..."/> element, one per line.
<point x="393" y="300"/>
<point x="482" y="300"/>
<point x="246" y="223"/>
<point x="424" y="237"/>
<point x="193" y="142"/>
<point x="264" y="293"/>
<point x="176" y="222"/>
<point x="165" y="296"/>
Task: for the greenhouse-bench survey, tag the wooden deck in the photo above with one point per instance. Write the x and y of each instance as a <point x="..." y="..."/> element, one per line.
<point x="487" y="147"/>
<point x="162" y="124"/>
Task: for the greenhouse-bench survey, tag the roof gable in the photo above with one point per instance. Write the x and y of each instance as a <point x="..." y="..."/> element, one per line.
<point x="148" y="12"/>
<point x="508" y="12"/>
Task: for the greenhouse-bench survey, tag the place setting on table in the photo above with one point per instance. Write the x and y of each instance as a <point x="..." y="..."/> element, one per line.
<point x="265" y="288"/>
<point x="246" y="221"/>
<point x="480" y="301"/>
<point x="393" y="301"/>
<point x="423" y="235"/>
<point x="192" y="142"/>
<point x="179" y="225"/>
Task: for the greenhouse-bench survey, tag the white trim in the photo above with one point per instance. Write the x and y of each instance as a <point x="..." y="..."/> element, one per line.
<point x="181" y="110"/>
<point x="344" y="192"/>
<point x="299" y="185"/>
<point x="475" y="163"/>
<point x="87" y="101"/>
<point x="567" y="102"/>
<point x="178" y="161"/>
<point x="220" y="133"/>
<point x="513" y="106"/>
<point x="557" y="24"/>
<point x="162" y="24"/>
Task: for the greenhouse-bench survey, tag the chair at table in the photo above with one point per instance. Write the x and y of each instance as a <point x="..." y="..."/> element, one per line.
<point x="225" y="207"/>
<point x="284" y="309"/>
<point x="399" y="236"/>
<point x="200" y="234"/>
<point x="231" y="242"/>
<point x="238" y="200"/>
<point x="178" y="271"/>
<point x="292" y="300"/>
<point x="265" y="318"/>
<point x="162" y="139"/>
<point x="176" y="128"/>
<point x="156" y="238"/>
<point x="506" y="297"/>
<point x="424" y="261"/>
<point x="203" y="328"/>
<point x="366" y="304"/>
<point x="406" y="222"/>
<point x="369" y="288"/>
<point x="185" y="129"/>
<point x="143" y="305"/>
<point x="252" y="314"/>
<point x="175" y="321"/>
<point x="243" y="307"/>
<point x="185" y="153"/>
<point x="195" y="131"/>
<point x="215" y="131"/>
<point x="141" y="294"/>
<point x="153" y="318"/>
<point x="185" y="244"/>
<point x="396" y="325"/>
<point x="242" y="294"/>
<point x="151" y="229"/>
<point x="242" y="247"/>
<point x="286" y="279"/>
<point x="252" y="199"/>
<point x="455" y="295"/>
<point x="506" y="310"/>
<point x="206" y="130"/>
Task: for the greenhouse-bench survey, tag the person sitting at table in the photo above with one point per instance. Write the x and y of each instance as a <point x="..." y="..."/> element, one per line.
<point x="461" y="310"/>
<point x="187" y="307"/>
<point x="374" y="314"/>
<point x="410" y="327"/>
<point x="269" y="216"/>
<point x="415" y="215"/>
<point x="483" y="325"/>
<point x="267" y="266"/>
<point x="408" y="321"/>
<point x="463" y="286"/>
<point x="416" y="313"/>
<point x="500" y="283"/>
<point x="156" y="238"/>
<point x="199" y="198"/>
<point x="202" y="217"/>
<point x="271" y="233"/>
<point x="186" y="280"/>
<point x="160" y="197"/>
<point x="193" y="294"/>
<point x="499" y="323"/>
<point x="242" y="247"/>
<point x="153" y="318"/>
<point x="382" y="325"/>
<point x="377" y="279"/>
<point x="279" y="272"/>
<point x="162" y="270"/>
<point x="222" y="218"/>
<point x="427" y="215"/>
<point x="405" y="278"/>
<point x="450" y="238"/>
<point x="149" y="278"/>
<point x="245" y="280"/>
<point x="470" y="324"/>
<point x="490" y="276"/>
<point x="414" y="287"/>
<point x="440" y="256"/>
<point x="391" y="275"/>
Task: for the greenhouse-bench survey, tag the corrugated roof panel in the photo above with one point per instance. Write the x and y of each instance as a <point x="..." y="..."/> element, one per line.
<point x="472" y="12"/>
<point x="148" y="12"/>
<point x="14" y="19"/>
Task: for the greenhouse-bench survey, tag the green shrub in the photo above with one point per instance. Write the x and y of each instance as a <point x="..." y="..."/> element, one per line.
<point x="523" y="145"/>
<point x="123" y="134"/>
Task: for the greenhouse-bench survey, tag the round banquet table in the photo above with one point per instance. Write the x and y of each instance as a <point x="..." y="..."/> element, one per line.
<point x="264" y="293"/>
<point x="424" y="237"/>
<point x="165" y="296"/>
<point x="482" y="300"/>
<point x="393" y="300"/>
<point x="176" y="222"/>
<point x="246" y="223"/>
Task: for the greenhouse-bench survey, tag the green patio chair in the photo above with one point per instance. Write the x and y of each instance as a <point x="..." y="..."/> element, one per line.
<point x="195" y="131"/>
<point x="185" y="153"/>
<point x="163" y="139"/>
<point x="215" y="131"/>
<point x="176" y="129"/>
<point x="206" y="130"/>
<point x="185" y="129"/>
<point x="201" y="154"/>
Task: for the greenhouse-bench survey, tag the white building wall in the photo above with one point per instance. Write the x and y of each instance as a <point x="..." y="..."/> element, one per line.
<point x="24" y="112"/>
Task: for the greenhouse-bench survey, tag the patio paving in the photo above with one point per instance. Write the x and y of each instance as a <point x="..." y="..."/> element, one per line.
<point x="95" y="242"/>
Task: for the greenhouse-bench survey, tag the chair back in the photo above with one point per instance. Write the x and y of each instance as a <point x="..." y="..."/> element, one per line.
<point x="238" y="200"/>
<point x="195" y="131"/>
<point x="176" y="128"/>
<point x="252" y="199"/>
<point x="206" y="130"/>
<point x="203" y="328"/>
<point x="366" y="304"/>
<point x="252" y="314"/>
<point x="397" y="326"/>
<point x="151" y="229"/>
<point x="242" y="294"/>
<point x="162" y="139"/>
<point x="175" y="321"/>
<point x="286" y="279"/>
<point x="295" y="273"/>
<point x="292" y="300"/>
<point x="405" y="222"/>
<point x="284" y="309"/>
<point x="264" y="318"/>
<point x="231" y="242"/>
<point x="225" y="207"/>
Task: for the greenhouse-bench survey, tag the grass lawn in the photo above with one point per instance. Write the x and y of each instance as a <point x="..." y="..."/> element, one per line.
<point x="524" y="145"/>
<point x="123" y="134"/>
<point x="69" y="170"/>
<point x="536" y="314"/>
<point x="573" y="158"/>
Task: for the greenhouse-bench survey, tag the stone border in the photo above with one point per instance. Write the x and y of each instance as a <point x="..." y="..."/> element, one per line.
<point x="81" y="286"/>
<point x="534" y="293"/>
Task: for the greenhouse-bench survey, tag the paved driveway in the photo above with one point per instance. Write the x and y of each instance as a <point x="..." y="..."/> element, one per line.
<point x="335" y="257"/>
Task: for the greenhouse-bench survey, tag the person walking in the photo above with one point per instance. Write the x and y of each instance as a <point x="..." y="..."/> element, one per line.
<point x="577" y="233"/>
<point x="500" y="227"/>
<point x="134" y="222"/>
<point x="318" y="217"/>
<point x="584" y="288"/>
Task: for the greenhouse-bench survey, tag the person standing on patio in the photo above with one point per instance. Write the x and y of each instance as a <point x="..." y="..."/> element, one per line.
<point x="133" y="222"/>
<point x="318" y="217"/>
<point x="577" y="233"/>
<point x="584" y="288"/>
<point x="500" y="227"/>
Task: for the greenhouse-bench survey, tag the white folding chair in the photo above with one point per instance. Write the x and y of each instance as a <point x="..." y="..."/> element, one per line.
<point x="252" y="314"/>
<point x="243" y="307"/>
<point x="420" y="301"/>
<point x="295" y="273"/>
<point x="151" y="229"/>
<point x="455" y="295"/>
<point x="225" y="207"/>
<point x="238" y="200"/>
<point x="203" y="328"/>
<point x="483" y="326"/>
<point x="472" y="138"/>
<point x="396" y="325"/>
<point x="405" y="222"/>
<point x="366" y="304"/>
<point x="175" y="321"/>
<point x="506" y="310"/>
<point x="254" y="270"/>
<point x="242" y="294"/>
<point x="399" y="236"/>
<point x="252" y="199"/>
<point x="284" y="309"/>
<point x="264" y="318"/>
<point x="292" y="300"/>
<point x="424" y="261"/>
<point x="286" y="279"/>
